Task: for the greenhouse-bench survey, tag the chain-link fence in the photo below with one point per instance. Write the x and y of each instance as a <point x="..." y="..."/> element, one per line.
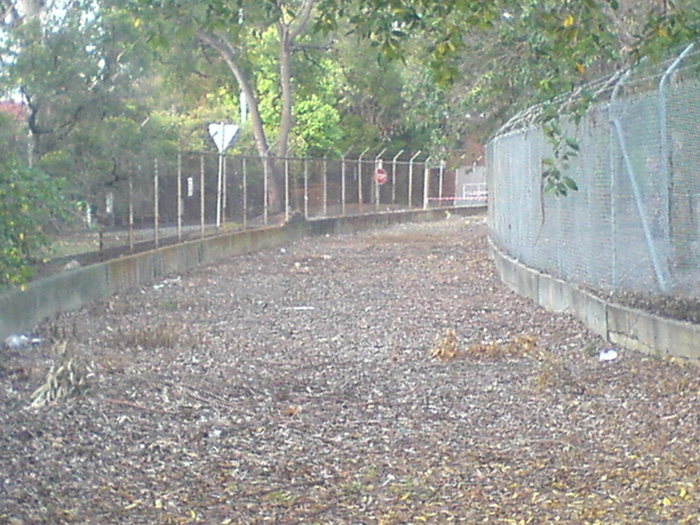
<point x="188" y="195"/>
<point x="634" y="224"/>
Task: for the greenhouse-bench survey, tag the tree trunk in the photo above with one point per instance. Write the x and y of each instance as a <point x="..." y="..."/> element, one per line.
<point x="286" y="87"/>
<point x="288" y="31"/>
<point x="227" y="52"/>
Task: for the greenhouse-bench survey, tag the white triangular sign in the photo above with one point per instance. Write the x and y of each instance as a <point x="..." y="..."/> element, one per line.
<point x="222" y="134"/>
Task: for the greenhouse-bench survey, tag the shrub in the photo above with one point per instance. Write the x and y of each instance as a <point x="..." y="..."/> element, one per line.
<point x="30" y="201"/>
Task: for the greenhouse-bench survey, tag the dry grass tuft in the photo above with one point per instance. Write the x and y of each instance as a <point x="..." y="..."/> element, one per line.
<point x="150" y="337"/>
<point x="67" y="380"/>
<point x="520" y="346"/>
<point x="445" y="348"/>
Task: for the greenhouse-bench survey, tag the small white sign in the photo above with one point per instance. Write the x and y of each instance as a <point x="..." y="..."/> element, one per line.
<point x="222" y="134"/>
<point x="244" y="108"/>
<point x="190" y="186"/>
<point x="109" y="203"/>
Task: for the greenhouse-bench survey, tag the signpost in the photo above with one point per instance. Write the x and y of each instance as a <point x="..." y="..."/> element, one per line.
<point x="380" y="178"/>
<point x="223" y="136"/>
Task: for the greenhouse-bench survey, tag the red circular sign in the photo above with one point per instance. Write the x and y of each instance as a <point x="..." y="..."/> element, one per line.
<point x="380" y="176"/>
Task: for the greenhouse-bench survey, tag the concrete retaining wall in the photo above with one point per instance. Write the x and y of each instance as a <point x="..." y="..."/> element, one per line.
<point x="627" y="327"/>
<point x="22" y="310"/>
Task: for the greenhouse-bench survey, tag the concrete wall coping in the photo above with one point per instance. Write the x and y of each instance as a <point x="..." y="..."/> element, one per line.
<point x="628" y="327"/>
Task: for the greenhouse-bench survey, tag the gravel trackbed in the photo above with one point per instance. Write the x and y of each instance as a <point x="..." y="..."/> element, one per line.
<point x="385" y="377"/>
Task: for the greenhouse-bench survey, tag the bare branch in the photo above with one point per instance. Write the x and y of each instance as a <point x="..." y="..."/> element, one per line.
<point x="302" y="19"/>
<point x="8" y="8"/>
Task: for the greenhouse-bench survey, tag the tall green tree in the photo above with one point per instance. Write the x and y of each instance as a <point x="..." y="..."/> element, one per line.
<point x="86" y="76"/>
<point x="517" y="52"/>
<point x="80" y="70"/>
<point x="229" y="28"/>
<point x="369" y="95"/>
<point x="315" y="115"/>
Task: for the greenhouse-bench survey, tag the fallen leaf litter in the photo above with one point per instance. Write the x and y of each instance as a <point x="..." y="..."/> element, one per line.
<point x="380" y="377"/>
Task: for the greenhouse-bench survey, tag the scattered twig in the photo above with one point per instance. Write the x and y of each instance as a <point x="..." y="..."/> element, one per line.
<point x="131" y="404"/>
<point x="194" y="393"/>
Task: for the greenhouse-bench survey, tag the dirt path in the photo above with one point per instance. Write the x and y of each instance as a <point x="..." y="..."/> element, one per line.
<point x="297" y="385"/>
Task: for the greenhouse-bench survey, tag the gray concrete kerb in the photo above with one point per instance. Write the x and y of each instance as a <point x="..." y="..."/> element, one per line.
<point x="627" y="327"/>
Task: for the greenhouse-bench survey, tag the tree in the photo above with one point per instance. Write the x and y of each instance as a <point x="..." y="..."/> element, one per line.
<point x="369" y="94"/>
<point x="315" y="114"/>
<point x="229" y="28"/>
<point x="85" y="75"/>
<point x="54" y="62"/>
<point x="523" y="51"/>
<point x="30" y="201"/>
<point x="506" y="55"/>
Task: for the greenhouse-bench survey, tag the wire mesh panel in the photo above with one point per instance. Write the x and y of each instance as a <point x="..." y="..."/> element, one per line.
<point x="334" y="190"/>
<point x="352" y="185"/>
<point x="408" y="191"/>
<point x="253" y="189"/>
<point x="183" y="195"/>
<point x="684" y="159"/>
<point x="634" y="223"/>
<point x="365" y="170"/>
<point x="398" y="180"/>
<point x="143" y="201"/>
<point x="191" y="169"/>
<point x="315" y="188"/>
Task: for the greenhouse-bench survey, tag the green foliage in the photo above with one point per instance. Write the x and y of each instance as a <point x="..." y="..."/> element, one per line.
<point x="317" y="128"/>
<point x="554" y="177"/>
<point x="435" y="114"/>
<point x="95" y="99"/>
<point x="667" y="29"/>
<point x="30" y="203"/>
<point x="264" y="58"/>
<point x="495" y="57"/>
<point x="63" y="73"/>
<point x="368" y="94"/>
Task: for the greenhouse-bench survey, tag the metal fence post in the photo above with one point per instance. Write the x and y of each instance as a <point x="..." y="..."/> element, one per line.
<point x="410" y="179"/>
<point x="224" y="183"/>
<point x="325" y="187"/>
<point x="613" y="206"/>
<point x="179" y="196"/>
<point x="306" y="188"/>
<point x="660" y="266"/>
<point x="245" y="193"/>
<point x="426" y="184"/>
<point x="342" y="182"/>
<point x="286" y="189"/>
<point x="665" y="157"/>
<point x="665" y="162"/>
<point x="201" y="196"/>
<point x="393" y="177"/>
<point x="265" y="183"/>
<point x="218" y="189"/>
<point x="359" y="177"/>
<point x="155" y="204"/>
<point x="441" y="179"/>
<point x="377" y="186"/>
<point x="131" y="212"/>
